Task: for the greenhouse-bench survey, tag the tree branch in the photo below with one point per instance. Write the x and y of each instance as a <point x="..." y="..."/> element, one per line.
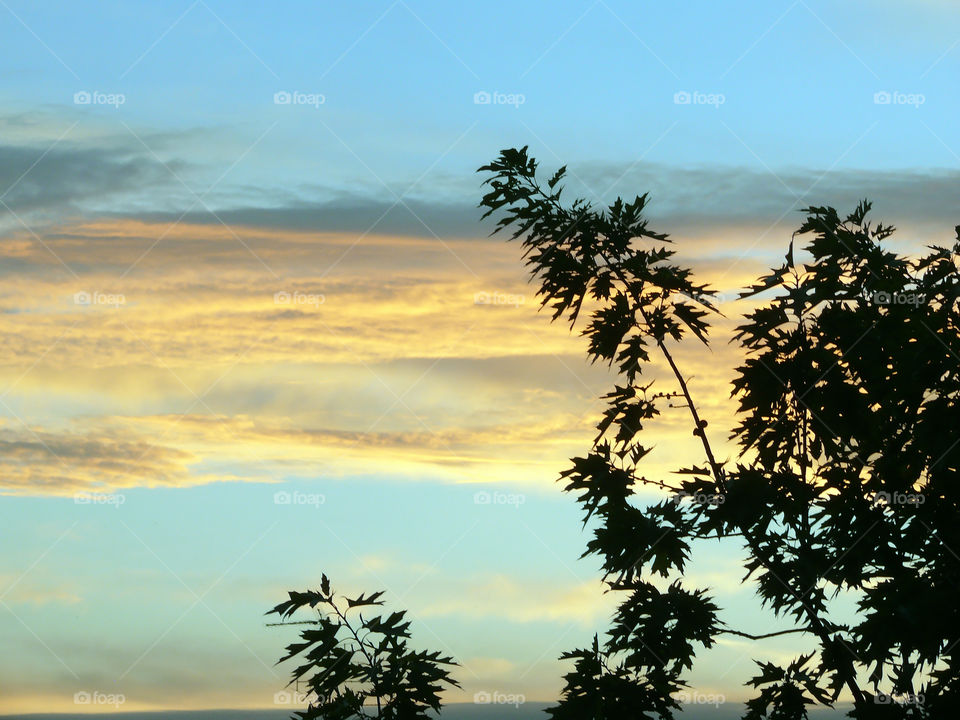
<point x="731" y="631"/>
<point x="818" y="627"/>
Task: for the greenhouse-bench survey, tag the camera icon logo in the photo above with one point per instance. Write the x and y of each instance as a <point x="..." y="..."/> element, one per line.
<point x="281" y="98"/>
<point x="481" y="98"/>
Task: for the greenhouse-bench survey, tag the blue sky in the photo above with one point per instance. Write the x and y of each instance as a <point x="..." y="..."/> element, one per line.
<point x="186" y="190"/>
<point x="399" y="80"/>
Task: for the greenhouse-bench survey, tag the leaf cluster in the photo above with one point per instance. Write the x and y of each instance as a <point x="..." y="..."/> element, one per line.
<point x="847" y="475"/>
<point x="361" y="666"/>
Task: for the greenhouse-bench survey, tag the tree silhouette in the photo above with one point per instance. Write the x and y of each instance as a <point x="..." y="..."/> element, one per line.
<point x="846" y="480"/>
<point x="362" y="667"/>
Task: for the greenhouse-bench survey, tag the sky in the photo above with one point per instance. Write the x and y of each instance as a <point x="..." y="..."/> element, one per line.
<point x="254" y="330"/>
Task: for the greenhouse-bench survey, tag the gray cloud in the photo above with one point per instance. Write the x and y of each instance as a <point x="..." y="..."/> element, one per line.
<point x="352" y="214"/>
<point x="703" y="196"/>
<point x="39" y="461"/>
<point x="682" y="199"/>
<point x="115" y="176"/>
<point x="68" y="179"/>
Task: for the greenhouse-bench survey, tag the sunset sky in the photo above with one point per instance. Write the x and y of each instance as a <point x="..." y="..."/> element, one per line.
<point x="250" y="315"/>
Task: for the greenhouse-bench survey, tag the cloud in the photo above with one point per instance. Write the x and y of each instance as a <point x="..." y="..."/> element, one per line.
<point x="504" y="597"/>
<point x="683" y="200"/>
<point x="110" y="454"/>
<point x="487" y="667"/>
<point x="197" y="366"/>
<point x="276" y="295"/>
<point x="115" y="176"/>
<point x="354" y="353"/>
<point x="354" y="213"/>
<point x="39" y="461"/>
<point x="19" y="590"/>
<point x="65" y="179"/>
<point x="696" y="198"/>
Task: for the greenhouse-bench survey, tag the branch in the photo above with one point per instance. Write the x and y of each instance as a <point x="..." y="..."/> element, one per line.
<point x="731" y="631"/>
<point x="817" y="624"/>
<point x="363" y="650"/>
<point x="818" y="628"/>
<point x="698" y="423"/>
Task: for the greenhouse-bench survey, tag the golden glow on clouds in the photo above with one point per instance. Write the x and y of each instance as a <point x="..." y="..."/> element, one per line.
<point x="175" y="347"/>
<point x="505" y="597"/>
<point x="191" y="371"/>
<point x="31" y="591"/>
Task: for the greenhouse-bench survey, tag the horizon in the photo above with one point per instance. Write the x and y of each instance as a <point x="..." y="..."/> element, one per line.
<point x="461" y="711"/>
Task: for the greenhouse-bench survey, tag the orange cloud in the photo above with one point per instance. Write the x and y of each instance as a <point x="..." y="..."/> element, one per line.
<point x="284" y="349"/>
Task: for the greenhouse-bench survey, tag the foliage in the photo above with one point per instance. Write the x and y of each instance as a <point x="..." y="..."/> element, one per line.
<point x="846" y="480"/>
<point x="361" y="664"/>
